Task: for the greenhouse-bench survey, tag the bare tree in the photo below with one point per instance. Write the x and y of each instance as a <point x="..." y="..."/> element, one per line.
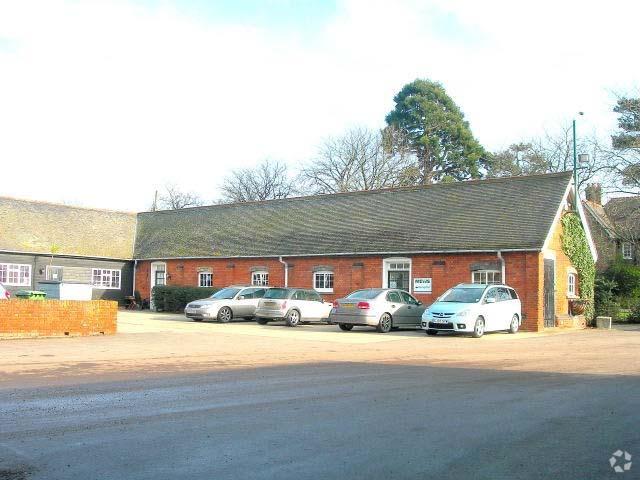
<point x="360" y="159"/>
<point x="553" y="152"/>
<point x="172" y="198"/>
<point x="269" y="180"/>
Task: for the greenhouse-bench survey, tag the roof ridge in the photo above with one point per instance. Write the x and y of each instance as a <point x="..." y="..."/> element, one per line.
<point x="58" y="204"/>
<point x="407" y="188"/>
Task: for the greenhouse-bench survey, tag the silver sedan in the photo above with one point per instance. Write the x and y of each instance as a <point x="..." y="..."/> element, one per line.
<point x="382" y="308"/>
<point x="226" y="304"/>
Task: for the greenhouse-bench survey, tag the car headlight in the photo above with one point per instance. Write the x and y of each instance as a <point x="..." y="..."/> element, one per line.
<point x="463" y="313"/>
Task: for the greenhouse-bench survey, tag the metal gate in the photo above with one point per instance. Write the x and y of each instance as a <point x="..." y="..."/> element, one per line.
<point x="549" y="293"/>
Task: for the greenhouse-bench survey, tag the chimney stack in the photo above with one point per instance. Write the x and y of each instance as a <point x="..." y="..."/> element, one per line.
<point x="594" y="193"/>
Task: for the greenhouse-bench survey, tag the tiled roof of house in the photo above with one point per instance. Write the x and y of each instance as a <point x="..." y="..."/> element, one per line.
<point x="39" y="227"/>
<point x="505" y="213"/>
<point x="597" y="214"/>
<point x="624" y="214"/>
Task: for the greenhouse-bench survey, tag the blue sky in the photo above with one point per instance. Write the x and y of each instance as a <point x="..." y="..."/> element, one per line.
<point x="97" y="93"/>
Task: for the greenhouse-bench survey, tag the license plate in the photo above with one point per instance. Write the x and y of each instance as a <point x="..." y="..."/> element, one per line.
<point x="347" y="305"/>
<point x="191" y="310"/>
<point x="269" y="304"/>
<point x="440" y="320"/>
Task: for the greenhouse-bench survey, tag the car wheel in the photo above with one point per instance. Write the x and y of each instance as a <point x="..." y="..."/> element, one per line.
<point x="262" y="321"/>
<point x="515" y="324"/>
<point x="432" y="332"/>
<point x="225" y="314"/>
<point x="196" y="319"/>
<point x="478" y="329"/>
<point x="293" y="318"/>
<point x="385" y="323"/>
<point x="346" y="327"/>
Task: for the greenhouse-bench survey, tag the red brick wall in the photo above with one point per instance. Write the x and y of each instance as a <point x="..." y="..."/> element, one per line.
<point x="523" y="272"/>
<point x="51" y="318"/>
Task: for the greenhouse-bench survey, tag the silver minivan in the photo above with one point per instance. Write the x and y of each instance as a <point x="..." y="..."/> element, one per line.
<point x="382" y="308"/>
<point x="293" y="305"/>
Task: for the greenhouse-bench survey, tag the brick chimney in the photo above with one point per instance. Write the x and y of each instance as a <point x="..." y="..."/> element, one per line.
<point x="594" y="193"/>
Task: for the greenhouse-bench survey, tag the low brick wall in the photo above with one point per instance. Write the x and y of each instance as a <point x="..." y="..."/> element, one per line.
<point x="54" y="318"/>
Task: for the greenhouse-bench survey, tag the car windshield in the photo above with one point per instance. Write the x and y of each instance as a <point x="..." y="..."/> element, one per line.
<point x="364" y="294"/>
<point x="463" y="295"/>
<point x="277" y="293"/>
<point x="225" y="293"/>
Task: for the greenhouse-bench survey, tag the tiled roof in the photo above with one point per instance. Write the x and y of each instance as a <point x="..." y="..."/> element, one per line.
<point x="624" y="214"/>
<point x="39" y="227"/>
<point x="505" y="213"/>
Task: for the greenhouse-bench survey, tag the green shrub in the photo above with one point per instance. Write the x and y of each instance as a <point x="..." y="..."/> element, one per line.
<point x="634" y="314"/>
<point x="168" y="298"/>
<point x="605" y="303"/>
<point x="627" y="279"/>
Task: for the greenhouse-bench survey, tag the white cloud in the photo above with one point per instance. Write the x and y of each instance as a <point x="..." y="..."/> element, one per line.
<point x="111" y="100"/>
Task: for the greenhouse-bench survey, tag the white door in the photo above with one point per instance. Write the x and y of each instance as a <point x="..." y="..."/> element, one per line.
<point x="492" y="310"/>
<point x="158" y="277"/>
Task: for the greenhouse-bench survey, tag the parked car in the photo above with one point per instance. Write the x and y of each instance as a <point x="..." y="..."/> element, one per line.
<point x="4" y="293"/>
<point x="475" y="309"/>
<point x="293" y="305"/>
<point x="382" y="308"/>
<point x="230" y="302"/>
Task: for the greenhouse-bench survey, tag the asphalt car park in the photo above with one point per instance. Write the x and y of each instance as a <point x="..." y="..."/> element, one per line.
<point x="169" y="398"/>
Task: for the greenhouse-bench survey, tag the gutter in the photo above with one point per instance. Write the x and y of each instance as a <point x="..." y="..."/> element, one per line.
<point x="347" y="254"/>
<point x="503" y="268"/>
<point x="286" y="271"/>
<point x="133" y="286"/>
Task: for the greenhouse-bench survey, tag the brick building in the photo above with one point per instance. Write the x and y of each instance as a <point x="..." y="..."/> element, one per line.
<point x="424" y="239"/>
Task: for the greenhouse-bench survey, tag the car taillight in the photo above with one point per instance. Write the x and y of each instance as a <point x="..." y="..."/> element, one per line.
<point x="363" y="305"/>
<point x="7" y="294"/>
<point x="283" y="306"/>
<point x="335" y="304"/>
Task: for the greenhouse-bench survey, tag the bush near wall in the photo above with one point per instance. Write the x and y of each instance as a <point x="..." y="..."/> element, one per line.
<point x="170" y="298"/>
<point x="52" y="318"/>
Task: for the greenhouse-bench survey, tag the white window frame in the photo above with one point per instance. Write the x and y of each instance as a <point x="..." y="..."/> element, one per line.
<point x="47" y="271"/>
<point x="13" y="269"/>
<point x="260" y="278"/>
<point x="486" y="274"/>
<point x="201" y="276"/>
<point x="627" y="251"/>
<point x="389" y="264"/>
<point x="572" y="280"/>
<point x="325" y="275"/>
<point x="104" y="274"/>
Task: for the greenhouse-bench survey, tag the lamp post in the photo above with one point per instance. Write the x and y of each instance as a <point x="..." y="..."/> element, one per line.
<point x="575" y="158"/>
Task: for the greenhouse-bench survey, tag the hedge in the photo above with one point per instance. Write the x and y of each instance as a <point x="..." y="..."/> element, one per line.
<point x="169" y="298"/>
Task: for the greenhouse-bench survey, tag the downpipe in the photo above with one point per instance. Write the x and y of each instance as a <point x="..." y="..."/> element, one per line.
<point x="286" y="271"/>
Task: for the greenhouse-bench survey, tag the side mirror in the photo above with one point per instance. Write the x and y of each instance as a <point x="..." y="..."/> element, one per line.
<point x="241" y="297"/>
<point x="489" y="300"/>
<point x="418" y="303"/>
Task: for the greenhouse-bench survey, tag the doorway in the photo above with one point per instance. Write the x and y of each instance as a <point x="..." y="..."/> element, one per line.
<point x="549" y="293"/>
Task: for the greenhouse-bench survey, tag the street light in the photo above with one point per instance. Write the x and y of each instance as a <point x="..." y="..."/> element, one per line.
<point x="575" y="158"/>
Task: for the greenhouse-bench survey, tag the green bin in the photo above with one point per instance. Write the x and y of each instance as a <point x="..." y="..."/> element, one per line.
<point x="30" y="295"/>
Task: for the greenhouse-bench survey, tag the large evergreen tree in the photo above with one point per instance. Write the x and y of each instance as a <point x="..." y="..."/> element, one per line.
<point x="438" y="135"/>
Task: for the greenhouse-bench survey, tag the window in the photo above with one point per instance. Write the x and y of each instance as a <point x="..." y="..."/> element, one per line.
<point x="394" y="297"/>
<point x="253" y="293"/>
<point x="627" y="251"/>
<point x="323" y="281"/>
<point x="571" y="284"/>
<point x="205" y="279"/>
<point x="397" y="273"/>
<point x="15" y="274"/>
<point x="487" y="277"/>
<point x="260" y="279"/>
<point x="53" y="273"/>
<point x="408" y="299"/>
<point x="105" y="278"/>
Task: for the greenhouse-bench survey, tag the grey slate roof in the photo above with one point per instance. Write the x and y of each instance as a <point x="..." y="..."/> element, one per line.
<point x="624" y="214"/>
<point x="505" y="213"/>
<point x="34" y="227"/>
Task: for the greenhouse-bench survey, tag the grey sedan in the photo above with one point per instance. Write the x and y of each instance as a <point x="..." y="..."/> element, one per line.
<point x="377" y="307"/>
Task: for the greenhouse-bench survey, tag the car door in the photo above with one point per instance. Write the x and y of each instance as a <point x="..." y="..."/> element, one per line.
<point x="394" y="305"/>
<point x="243" y="303"/>
<point x="319" y="309"/>
<point x="491" y="310"/>
<point x="506" y="306"/>
<point x="299" y="301"/>
<point x="413" y="310"/>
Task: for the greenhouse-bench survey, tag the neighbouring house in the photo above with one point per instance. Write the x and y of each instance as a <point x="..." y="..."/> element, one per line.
<point x="615" y="226"/>
<point x="43" y="243"/>
<point x="424" y="239"/>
